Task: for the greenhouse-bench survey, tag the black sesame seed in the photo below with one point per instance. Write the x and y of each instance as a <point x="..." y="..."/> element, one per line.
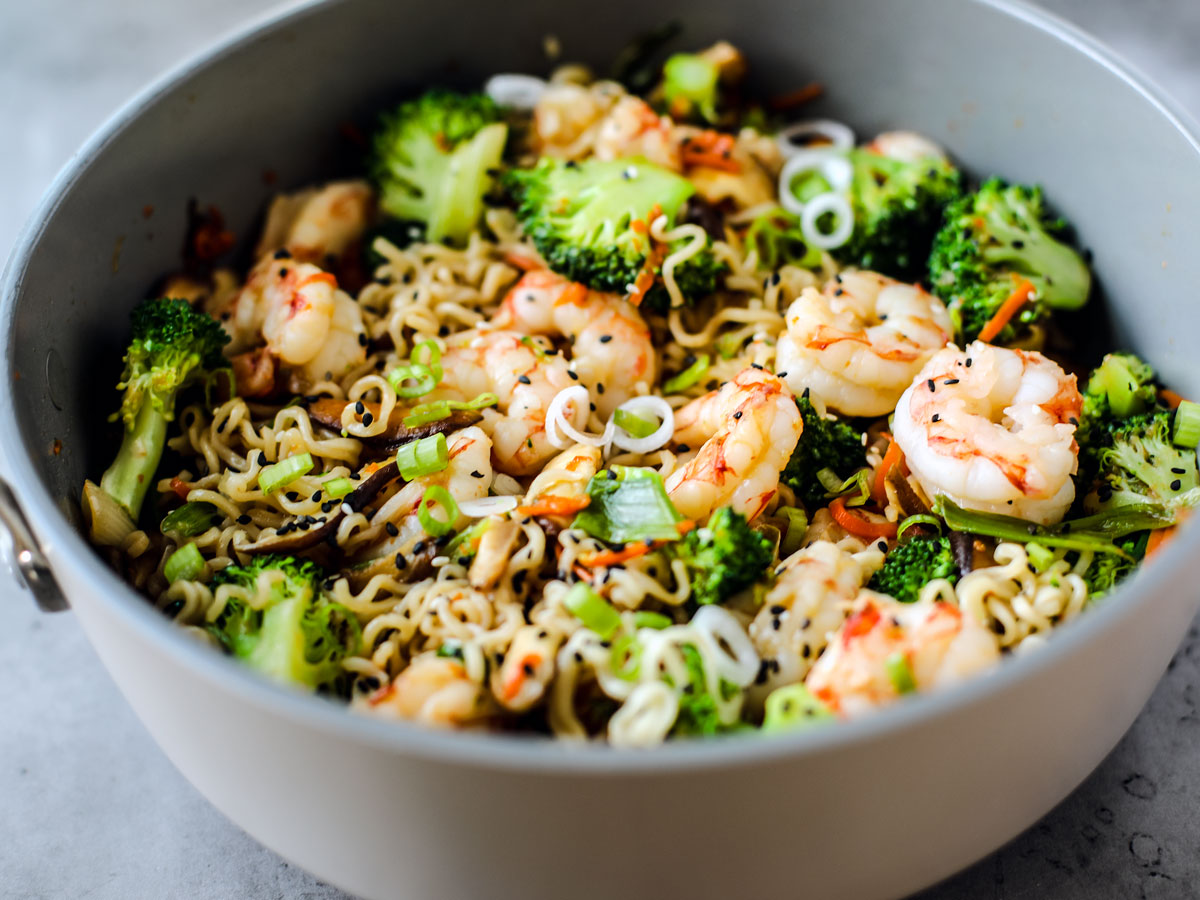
<point x="936" y="417"/>
<point x="399" y="559"/>
<point x="443" y="330"/>
<point x="969" y="361"/>
<point x="362" y="340"/>
<point x="360" y="407"/>
<point x="605" y="338"/>
<point x="367" y="419"/>
<point x="477" y="474"/>
<point x="572" y="375"/>
<point x="738" y="414"/>
<point x="316" y="498"/>
<point x="599" y="388"/>
<point x="1176" y="484"/>
<point x="1178" y="471"/>
<point x="262" y="458"/>
<point x="524" y="379"/>
<point x="781" y="374"/>
<point x="292" y="495"/>
<point x="684" y="448"/>
<point x="419" y="547"/>
<point x="283" y="254"/>
<point x="243" y="519"/>
<point x="777" y="610"/>
<point x="391" y="529"/>
<point x="931" y="385"/>
<point x="950" y="381"/>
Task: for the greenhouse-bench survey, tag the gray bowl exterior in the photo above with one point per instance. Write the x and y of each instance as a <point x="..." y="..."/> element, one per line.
<point x="873" y="809"/>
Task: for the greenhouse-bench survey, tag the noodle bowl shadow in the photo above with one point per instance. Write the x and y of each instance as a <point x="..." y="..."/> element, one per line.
<point x="392" y="809"/>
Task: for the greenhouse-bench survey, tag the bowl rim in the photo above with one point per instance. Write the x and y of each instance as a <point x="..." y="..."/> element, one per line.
<point x="69" y="551"/>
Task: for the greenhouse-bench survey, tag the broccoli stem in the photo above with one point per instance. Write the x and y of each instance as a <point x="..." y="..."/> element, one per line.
<point x="130" y="475"/>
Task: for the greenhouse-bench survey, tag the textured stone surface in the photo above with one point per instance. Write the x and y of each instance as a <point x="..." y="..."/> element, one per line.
<point x="91" y="808"/>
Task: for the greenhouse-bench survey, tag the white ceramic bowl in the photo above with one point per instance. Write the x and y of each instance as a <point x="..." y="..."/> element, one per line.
<point x="871" y="809"/>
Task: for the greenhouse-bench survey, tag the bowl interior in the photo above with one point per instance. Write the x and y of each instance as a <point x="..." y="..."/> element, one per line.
<point x="281" y="109"/>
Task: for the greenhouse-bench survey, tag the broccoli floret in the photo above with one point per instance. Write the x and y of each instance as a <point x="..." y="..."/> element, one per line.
<point x="298" y="636"/>
<point x="724" y="556"/>
<point x="1108" y="569"/>
<point x="171" y="347"/>
<point x="697" y="708"/>
<point x="691" y="82"/>
<point x="589" y="220"/>
<point x="1121" y="386"/>
<point x="994" y="238"/>
<point x="824" y="444"/>
<point x="1139" y="464"/>
<point x="911" y="566"/>
<point x="433" y="159"/>
<point x="897" y="211"/>
<point x="779" y="240"/>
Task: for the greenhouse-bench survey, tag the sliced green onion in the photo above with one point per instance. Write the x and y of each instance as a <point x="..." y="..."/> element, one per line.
<point x="423" y="457"/>
<point x="1119" y="385"/>
<point x="900" y="673"/>
<point x="338" y="487"/>
<point x="436" y="495"/>
<point x="424" y="378"/>
<point x="1041" y="558"/>
<point x="792" y="707"/>
<point x="184" y="564"/>
<point x="626" y="657"/>
<point x="450" y="650"/>
<point x="918" y="519"/>
<point x="592" y="610"/>
<point x="835" y="487"/>
<point x="688" y="376"/>
<point x="1090" y="533"/>
<point x="1186" y="427"/>
<point x="467" y="539"/>
<point x="429" y="355"/>
<point x="191" y="519"/>
<point x="633" y="424"/>
<point x="534" y="346"/>
<point x="728" y="345"/>
<point x="425" y="413"/>
<point x="647" y="619"/>
<point x="284" y="472"/>
<point x="797" y="524"/>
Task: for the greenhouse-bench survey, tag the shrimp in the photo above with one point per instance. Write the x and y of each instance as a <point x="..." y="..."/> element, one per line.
<point x="524" y="380"/>
<point x="632" y="128"/>
<point x="994" y="430"/>
<point x="611" y="350"/>
<point x="566" y="116"/>
<point x="298" y="311"/>
<point x="857" y="345"/>
<point x="521" y="680"/>
<point x="467" y="476"/>
<point x="434" y="691"/>
<point x="886" y="648"/>
<point x="749" y="428"/>
<point x="566" y="475"/>
<point x="808" y="602"/>
<point x="906" y="146"/>
<point x="319" y="223"/>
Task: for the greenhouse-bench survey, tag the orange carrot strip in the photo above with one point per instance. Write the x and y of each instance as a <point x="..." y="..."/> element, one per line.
<point x="1007" y="310"/>
<point x="606" y="558"/>
<point x="522" y="262"/>
<point x="645" y="278"/>
<point x="712" y="150"/>
<point x="181" y="488"/>
<point x="857" y="525"/>
<point x="1170" y="398"/>
<point x="516" y="681"/>
<point x="890" y="458"/>
<point x="326" y="277"/>
<point x="1158" y="538"/>
<point x="798" y="97"/>
<point x="554" y="506"/>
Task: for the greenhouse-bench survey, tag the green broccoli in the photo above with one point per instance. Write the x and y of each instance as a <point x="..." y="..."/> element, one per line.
<point x="698" y="714"/>
<point x="171" y="347"/>
<point x="779" y="240"/>
<point x="298" y="636"/>
<point x="824" y="444"/>
<point x="691" y="84"/>
<point x="1108" y="569"/>
<point x="994" y="238"/>
<point x="589" y="220"/>
<point x="433" y="159"/>
<point x="912" y="565"/>
<point x="724" y="556"/>
<point x="897" y="211"/>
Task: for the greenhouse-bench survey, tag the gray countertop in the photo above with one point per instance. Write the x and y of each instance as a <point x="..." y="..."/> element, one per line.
<point x="91" y="807"/>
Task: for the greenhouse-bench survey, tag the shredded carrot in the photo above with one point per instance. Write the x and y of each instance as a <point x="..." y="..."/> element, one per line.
<point x="710" y="150"/>
<point x="860" y="623"/>
<point x="524" y="263"/>
<point x="1007" y="310"/>
<point x="575" y="294"/>
<point x="798" y="97"/>
<point x="890" y="458"/>
<point x="606" y="558"/>
<point x="1170" y="398"/>
<point x="326" y="277"/>
<point x="685" y="526"/>
<point x="1158" y="538"/>
<point x="857" y="525"/>
<point x="516" y="681"/>
<point x="181" y="488"/>
<point x="582" y="574"/>
<point x="645" y="278"/>
<point x="554" y="506"/>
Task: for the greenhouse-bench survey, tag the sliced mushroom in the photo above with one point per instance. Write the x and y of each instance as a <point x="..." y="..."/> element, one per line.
<point x="327" y="411"/>
<point x="909" y="500"/>
<point x="413" y="565"/>
<point x="495" y="548"/>
<point x="305" y="533"/>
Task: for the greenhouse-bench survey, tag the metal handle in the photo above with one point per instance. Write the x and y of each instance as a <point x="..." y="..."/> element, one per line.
<point x="27" y="561"/>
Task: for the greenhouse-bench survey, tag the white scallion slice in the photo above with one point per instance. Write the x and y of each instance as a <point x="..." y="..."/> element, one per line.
<point x="843" y="227"/>
<point x="829" y="164"/>
<point x="487" y="506"/>
<point x="646" y="406"/>
<point x="521" y="92"/>
<point x="559" y="429"/>
<point x="839" y="135"/>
